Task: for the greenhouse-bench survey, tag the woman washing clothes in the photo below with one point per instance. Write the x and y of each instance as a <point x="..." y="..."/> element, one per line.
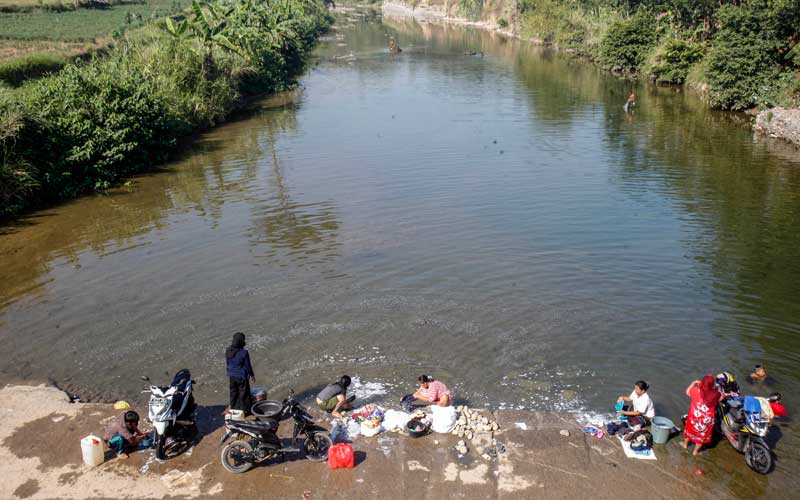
<point x="240" y="373"/>
<point x="638" y="406"/>
<point x="432" y="391"/>
<point x="700" y="420"/>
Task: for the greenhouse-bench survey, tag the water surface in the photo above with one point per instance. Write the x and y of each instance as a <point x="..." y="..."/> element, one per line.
<point x="498" y="222"/>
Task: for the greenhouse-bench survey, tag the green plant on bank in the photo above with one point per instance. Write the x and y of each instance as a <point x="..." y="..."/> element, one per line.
<point x="671" y="60"/>
<point x="627" y="42"/>
<point x="471" y="9"/>
<point x="15" y="72"/>
<point x="745" y="66"/>
<point x="95" y="122"/>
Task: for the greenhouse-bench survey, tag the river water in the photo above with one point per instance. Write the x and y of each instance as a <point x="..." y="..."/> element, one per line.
<point x="498" y="222"/>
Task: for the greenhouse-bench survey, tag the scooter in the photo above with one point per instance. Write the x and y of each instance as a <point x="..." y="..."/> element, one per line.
<point x="745" y="431"/>
<point x="258" y="441"/>
<point x="172" y="411"/>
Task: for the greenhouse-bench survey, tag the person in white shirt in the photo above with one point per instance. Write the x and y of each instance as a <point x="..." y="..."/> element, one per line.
<point x="638" y="404"/>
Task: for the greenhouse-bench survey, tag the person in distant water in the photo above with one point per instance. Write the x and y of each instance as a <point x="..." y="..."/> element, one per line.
<point x="777" y="407"/>
<point x="631" y="102"/>
<point x="333" y="398"/>
<point x="393" y="47"/>
<point x="760" y="376"/>
<point x="639" y="409"/>
<point x="240" y="373"/>
<point x="123" y="434"/>
<point x="700" y="419"/>
<point x="433" y="392"/>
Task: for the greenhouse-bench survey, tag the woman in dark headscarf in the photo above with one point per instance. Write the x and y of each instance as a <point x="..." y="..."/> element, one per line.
<point x="240" y="372"/>
<point x="700" y="420"/>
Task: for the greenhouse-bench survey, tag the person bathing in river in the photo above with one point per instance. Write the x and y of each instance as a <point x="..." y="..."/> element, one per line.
<point x="333" y="398"/>
<point x="240" y="373"/>
<point x="123" y="434"/>
<point x="631" y="102"/>
<point x="639" y="407"/>
<point x="700" y="419"/>
<point x="432" y="391"/>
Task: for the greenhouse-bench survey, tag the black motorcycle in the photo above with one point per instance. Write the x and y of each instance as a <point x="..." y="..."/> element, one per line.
<point x="745" y="431"/>
<point x="258" y="441"/>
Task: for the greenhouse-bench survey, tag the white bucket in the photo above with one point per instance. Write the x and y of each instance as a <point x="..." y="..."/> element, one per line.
<point x="92" y="450"/>
<point x="234" y="415"/>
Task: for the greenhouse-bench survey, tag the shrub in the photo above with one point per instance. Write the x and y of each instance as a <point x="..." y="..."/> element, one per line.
<point x="627" y="42"/>
<point x="502" y="23"/>
<point x="15" y="72"/>
<point x="671" y="60"/>
<point x="470" y="8"/>
<point x="742" y="68"/>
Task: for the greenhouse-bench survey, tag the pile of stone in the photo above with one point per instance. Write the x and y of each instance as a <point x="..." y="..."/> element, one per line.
<point x="471" y="423"/>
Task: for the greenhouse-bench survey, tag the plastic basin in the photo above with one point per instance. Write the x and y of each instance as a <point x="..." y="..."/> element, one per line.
<point x="267" y="409"/>
<point x="661" y="429"/>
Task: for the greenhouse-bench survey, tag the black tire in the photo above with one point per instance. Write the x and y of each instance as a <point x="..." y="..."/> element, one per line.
<point x="158" y="444"/>
<point x="316" y="446"/>
<point x="231" y="457"/>
<point x="759" y="457"/>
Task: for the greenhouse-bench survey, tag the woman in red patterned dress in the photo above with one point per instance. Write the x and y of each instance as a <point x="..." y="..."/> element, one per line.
<point x="700" y="420"/>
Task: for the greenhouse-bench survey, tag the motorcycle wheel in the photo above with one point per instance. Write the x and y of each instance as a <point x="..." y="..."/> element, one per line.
<point x="759" y="457"/>
<point x="316" y="446"/>
<point x="232" y="458"/>
<point x="158" y="444"/>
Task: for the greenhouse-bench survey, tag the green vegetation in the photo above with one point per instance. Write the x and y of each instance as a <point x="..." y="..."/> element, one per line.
<point x="470" y="9"/>
<point x="95" y="122"/>
<point x="15" y="72"/>
<point x="744" y="52"/>
<point x="83" y="24"/>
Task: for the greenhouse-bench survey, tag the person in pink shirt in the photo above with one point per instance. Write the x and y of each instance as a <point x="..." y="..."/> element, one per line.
<point x="433" y="392"/>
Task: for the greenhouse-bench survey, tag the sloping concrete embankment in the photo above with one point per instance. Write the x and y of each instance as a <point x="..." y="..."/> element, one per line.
<point x="40" y="458"/>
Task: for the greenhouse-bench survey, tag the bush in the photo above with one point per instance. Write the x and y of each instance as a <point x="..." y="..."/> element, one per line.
<point x="743" y="70"/>
<point x="15" y="72"/>
<point x="627" y="42"/>
<point x="96" y="122"/>
<point x="470" y="8"/>
<point x="671" y="60"/>
<point x="502" y="23"/>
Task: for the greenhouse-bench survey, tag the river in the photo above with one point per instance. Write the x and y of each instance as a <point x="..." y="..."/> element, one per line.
<point x="497" y="221"/>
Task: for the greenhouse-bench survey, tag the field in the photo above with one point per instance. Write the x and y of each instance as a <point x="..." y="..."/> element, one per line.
<point x="82" y="25"/>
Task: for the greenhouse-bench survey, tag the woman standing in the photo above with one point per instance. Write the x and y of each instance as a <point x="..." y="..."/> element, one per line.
<point x="240" y="372"/>
<point x="700" y="420"/>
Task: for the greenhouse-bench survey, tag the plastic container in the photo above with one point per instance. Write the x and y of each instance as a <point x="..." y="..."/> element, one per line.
<point x="661" y="429"/>
<point x="267" y="409"/>
<point x="234" y="415"/>
<point x="92" y="450"/>
<point x="258" y="393"/>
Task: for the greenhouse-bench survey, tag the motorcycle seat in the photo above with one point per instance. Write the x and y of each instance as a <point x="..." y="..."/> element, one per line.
<point x="255" y="425"/>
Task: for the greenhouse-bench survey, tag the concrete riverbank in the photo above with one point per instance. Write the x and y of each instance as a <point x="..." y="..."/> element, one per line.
<point x="40" y="458"/>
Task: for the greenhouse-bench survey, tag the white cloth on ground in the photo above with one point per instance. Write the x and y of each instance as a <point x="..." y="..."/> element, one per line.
<point x="444" y="419"/>
<point x="395" y="419"/>
<point x="626" y="448"/>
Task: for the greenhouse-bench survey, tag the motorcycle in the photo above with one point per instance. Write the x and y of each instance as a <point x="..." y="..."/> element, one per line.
<point x="171" y="411"/>
<point x="745" y="431"/>
<point x="258" y="441"/>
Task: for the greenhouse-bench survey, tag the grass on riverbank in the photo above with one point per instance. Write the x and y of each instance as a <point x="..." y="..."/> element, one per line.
<point x="95" y="122"/>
